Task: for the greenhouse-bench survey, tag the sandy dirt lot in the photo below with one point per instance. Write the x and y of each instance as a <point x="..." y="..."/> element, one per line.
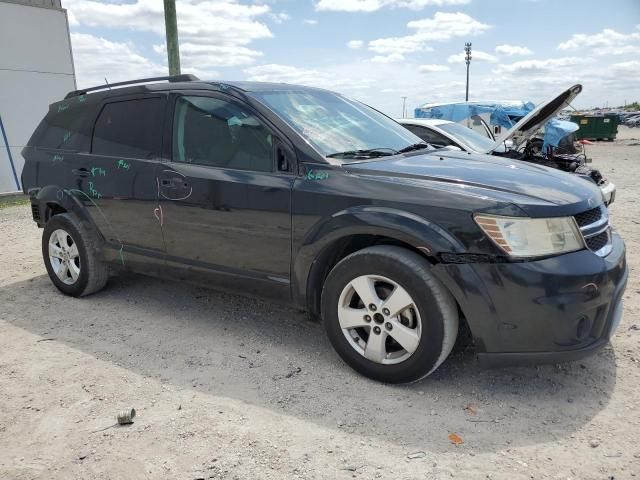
<point x="232" y="388"/>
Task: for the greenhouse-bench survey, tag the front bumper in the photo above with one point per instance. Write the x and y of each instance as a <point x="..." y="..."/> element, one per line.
<point x="552" y="310"/>
<point x="608" y="192"/>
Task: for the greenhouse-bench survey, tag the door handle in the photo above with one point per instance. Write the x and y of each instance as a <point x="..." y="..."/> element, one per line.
<point x="178" y="182"/>
<point x="80" y="172"/>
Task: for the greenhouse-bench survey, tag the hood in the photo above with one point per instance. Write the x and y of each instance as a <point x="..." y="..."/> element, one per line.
<point x="512" y="181"/>
<point x="527" y="127"/>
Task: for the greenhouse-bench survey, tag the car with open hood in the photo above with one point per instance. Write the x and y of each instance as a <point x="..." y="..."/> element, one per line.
<point x="308" y="197"/>
<point x="536" y="137"/>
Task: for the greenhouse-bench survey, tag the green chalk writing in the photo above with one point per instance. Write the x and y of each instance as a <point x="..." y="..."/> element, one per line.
<point x="66" y="137"/>
<point x="82" y="98"/>
<point x="311" y="175"/>
<point x="123" y="165"/>
<point x="93" y="192"/>
<point x="62" y="108"/>
<point x="57" y="158"/>
<point x="98" y="172"/>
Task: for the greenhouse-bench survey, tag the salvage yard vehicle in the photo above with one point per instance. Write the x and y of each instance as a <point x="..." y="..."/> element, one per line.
<point x="523" y="141"/>
<point x="308" y="197"/>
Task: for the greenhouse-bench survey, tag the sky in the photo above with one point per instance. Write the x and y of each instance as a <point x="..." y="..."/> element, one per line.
<point x="376" y="51"/>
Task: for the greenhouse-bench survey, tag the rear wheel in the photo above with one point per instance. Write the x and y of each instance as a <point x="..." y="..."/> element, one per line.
<point x="387" y="316"/>
<point x="69" y="250"/>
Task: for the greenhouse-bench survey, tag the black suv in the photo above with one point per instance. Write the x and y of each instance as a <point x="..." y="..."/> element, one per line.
<point x="306" y="196"/>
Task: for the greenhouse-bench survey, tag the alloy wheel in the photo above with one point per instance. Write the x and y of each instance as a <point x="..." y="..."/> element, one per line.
<point x="379" y="319"/>
<point x="64" y="256"/>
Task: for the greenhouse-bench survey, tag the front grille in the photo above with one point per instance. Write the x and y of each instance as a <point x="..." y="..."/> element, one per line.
<point x="35" y="212"/>
<point x="598" y="241"/>
<point x="589" y="217"/>
<point x="594" y="227"/>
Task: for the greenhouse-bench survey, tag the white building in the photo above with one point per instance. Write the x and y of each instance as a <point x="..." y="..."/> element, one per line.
<point x="36" y="69"/>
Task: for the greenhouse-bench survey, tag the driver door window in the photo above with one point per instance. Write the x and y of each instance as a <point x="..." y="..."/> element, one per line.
<point x="218" y="133"/>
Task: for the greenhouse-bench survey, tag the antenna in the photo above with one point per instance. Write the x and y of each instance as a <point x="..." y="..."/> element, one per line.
<point x="107" y="82"/>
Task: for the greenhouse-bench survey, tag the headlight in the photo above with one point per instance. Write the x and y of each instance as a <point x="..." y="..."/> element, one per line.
<point x="532" y="237"/>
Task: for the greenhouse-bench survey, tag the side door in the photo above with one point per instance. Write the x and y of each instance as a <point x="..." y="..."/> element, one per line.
<point x="225" y="196"/>
<point x="118" y="178"/>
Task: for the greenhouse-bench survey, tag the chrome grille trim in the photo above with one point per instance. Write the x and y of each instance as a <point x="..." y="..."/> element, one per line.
<point x="591" y="231"/>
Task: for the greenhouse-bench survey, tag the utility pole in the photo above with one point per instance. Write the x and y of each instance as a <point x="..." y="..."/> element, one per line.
<point x="467" y="58"/>
<point x="171" y="26"/>
<point x="404" y="109"/>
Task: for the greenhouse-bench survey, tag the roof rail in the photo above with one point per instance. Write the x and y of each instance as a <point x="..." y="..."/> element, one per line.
<point x="171" y="78"/>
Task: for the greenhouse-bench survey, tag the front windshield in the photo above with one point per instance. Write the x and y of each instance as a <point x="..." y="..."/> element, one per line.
<point x="472" y="138"/>
<point x="333" y="124"/>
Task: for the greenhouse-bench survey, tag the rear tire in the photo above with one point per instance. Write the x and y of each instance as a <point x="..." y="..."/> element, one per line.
<point x="387" y="315"/>
<point x="69" y="251"/>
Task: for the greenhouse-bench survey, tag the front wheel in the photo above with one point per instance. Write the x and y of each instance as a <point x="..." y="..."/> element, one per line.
<point x="387" y="315"/>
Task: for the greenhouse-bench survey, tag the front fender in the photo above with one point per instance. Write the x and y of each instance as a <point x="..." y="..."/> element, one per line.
<point x="319" y="242"/>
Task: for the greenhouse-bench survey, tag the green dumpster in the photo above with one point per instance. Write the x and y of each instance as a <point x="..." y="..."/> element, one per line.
<point x="596" y="127"/>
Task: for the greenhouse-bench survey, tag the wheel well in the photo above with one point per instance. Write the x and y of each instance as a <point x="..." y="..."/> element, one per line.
<point x="338" y="250"/>
<point x="53" y="209"/>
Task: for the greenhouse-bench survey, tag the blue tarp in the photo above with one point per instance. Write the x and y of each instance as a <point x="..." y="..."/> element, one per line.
<point x="555" y="130"/>
<point x="505" y="115"/>
<point x="501" y="114"/>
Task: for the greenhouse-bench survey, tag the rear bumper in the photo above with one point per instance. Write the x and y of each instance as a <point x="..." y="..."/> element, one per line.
<point x="553" y="310"/>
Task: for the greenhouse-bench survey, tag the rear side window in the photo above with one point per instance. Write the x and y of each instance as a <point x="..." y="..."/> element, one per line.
<point x="131" y="128"/>
<point x="64" y="128"/>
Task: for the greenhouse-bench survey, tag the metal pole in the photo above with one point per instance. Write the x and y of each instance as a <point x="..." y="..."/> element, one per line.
<point x="404" y="109"/>
<point x="171" y="26"/>
<point x="13" y="167"/>
<point x="467" y="58"/>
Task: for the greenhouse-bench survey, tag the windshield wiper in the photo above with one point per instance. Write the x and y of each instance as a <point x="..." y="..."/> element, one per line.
<point x="368" y="153"/>
<point x="415" y="146"/>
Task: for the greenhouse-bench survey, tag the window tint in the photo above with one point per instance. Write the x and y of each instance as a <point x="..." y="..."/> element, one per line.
<point x="211" y="131"/>
<point x="64" y="128"/>
<point x="132" y="128"/>
<point x="429" y="135"/>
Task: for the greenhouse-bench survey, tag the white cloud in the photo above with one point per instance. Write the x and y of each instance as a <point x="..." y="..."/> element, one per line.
<point x="373" y="5"/>
<point x="224" y="27"/>
<point x="541" y="67"/>
<point x="279" y="17"/>
<point x="607" y="42"/>
<point x="310" y="21"/>
<point x="355" y="44"/>
<point x="305" y="76"/>
<point x="510" y="50"/>
<point x="96" y="59"/>
<point x="476" y="56"/>
<point x="431" y="68"/>
<point x="442" y="27"/>
<point x="632" y="66"/>
<point x="392" y="58"/>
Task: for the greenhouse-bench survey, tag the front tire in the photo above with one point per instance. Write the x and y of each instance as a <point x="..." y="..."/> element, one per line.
<point x="387" y="315"/>
<point x="69" y="250"/>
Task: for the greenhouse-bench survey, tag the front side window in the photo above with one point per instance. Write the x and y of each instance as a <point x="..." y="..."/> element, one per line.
<point x="131" y="128"/>
<point x="334" y="124"/>
<point x="219" y="133"/>
<point x="429" y="136"/>
<point x="472" y="138"/>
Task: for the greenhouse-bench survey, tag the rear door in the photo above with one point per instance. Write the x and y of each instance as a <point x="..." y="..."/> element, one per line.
<point x="225" y="196"/>
<point x="118" y="178"/>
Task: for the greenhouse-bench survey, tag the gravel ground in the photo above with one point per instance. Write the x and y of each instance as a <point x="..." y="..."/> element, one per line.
<point x="228" y="387"/>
